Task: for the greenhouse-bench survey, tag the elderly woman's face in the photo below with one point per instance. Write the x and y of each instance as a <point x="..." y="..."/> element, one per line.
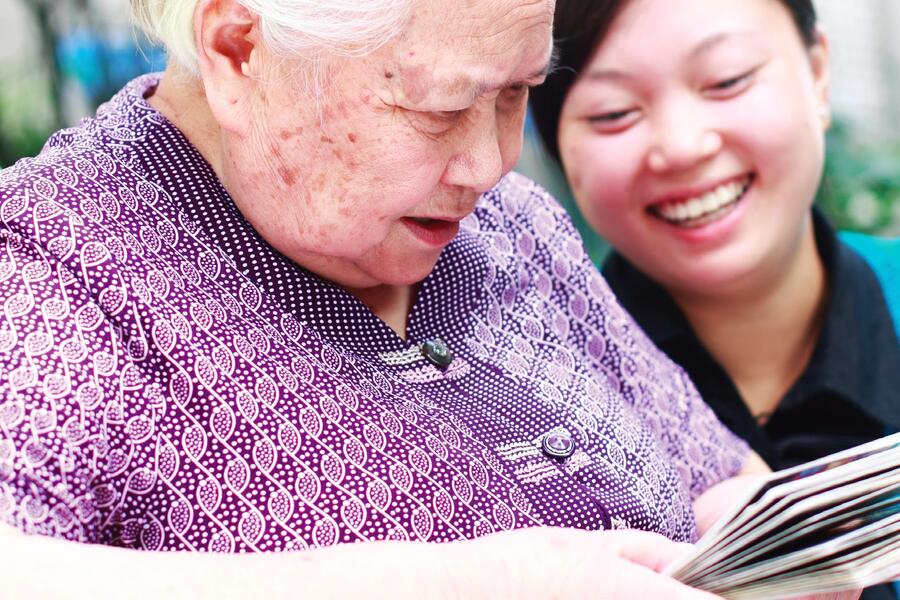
<point x="369" y="186"/>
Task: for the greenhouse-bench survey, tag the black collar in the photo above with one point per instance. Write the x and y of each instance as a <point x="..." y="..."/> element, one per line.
<point x="857" y="356"/>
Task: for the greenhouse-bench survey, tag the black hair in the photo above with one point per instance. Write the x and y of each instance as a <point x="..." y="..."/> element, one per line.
<point x="578" y="27"/>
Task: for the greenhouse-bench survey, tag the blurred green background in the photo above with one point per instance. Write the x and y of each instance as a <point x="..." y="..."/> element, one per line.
<point x="62" y="58"/>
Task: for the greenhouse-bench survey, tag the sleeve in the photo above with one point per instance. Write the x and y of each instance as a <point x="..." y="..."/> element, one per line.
<point x="49" y="363"/>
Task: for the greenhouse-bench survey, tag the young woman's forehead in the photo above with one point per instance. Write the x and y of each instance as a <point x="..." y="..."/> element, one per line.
<point x="696" y="28"/>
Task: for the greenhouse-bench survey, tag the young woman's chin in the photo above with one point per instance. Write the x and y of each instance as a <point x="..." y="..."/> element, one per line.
<point x="722" y="271"/>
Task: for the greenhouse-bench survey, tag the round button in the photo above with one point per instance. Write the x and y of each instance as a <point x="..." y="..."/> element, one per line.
<point x="558" y="445"/>
<point x="436" y="351"/>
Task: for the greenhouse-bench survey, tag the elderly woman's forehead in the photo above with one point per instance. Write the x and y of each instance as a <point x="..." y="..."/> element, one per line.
<point x="476" y="21"/>
<point x="459" y="43"/>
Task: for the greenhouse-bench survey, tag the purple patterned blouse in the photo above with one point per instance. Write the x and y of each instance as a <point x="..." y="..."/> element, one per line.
<point x="168" y="381"/>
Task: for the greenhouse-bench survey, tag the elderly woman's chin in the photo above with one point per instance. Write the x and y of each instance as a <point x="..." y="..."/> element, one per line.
<point x="391" y="263"/>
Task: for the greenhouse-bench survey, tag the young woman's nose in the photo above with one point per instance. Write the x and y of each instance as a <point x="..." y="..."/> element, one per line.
<point x="682" y="138"/>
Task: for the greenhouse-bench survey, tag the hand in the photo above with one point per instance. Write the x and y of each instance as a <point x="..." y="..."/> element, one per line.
<point x="571" y="563"/>
<point x="527" y="563"/>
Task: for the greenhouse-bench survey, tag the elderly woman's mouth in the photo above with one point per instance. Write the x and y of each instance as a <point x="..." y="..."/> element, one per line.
<point x="434" y="232"/>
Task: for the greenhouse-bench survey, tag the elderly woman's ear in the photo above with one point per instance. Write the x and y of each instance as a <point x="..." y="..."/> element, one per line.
<point x="228" y="44"/>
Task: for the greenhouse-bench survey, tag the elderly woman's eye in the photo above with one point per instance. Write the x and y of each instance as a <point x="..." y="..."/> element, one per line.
<point x="448" y="115"/>
<point x="514" y="96"/>
<point x="516" y="91"/>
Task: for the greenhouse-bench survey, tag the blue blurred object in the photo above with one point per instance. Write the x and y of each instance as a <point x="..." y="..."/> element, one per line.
<point x="102" y="65"/>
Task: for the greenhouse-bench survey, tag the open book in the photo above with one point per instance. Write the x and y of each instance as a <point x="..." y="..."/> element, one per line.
<point x="828" y="525"/>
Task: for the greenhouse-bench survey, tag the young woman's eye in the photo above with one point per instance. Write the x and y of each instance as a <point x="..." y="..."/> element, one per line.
<point x="614" y="120"/>
<point x="732" y="85"/>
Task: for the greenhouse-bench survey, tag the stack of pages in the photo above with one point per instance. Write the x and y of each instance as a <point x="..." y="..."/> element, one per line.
<point x="828" y="525"/>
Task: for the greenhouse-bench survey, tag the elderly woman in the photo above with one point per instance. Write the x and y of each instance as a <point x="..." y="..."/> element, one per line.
<point x="276" y="299"/>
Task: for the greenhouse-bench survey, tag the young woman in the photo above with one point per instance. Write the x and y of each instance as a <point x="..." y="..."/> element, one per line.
<point x="693" y="140"/>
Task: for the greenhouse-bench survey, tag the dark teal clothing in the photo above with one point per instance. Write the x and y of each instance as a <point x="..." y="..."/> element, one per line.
<point x="849" y="393"/>
<point x="883" y="257"/>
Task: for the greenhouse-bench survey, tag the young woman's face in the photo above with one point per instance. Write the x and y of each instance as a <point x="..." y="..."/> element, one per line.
<point x="693" y="139"/>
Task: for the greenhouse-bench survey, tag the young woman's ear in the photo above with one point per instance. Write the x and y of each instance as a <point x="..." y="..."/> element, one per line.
<point x="820" y="61"/>
<point x="227" y="38"/>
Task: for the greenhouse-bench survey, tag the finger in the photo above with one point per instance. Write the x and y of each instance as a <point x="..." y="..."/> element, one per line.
<point x="647" y="549"/>
<point x="631" y="580"/>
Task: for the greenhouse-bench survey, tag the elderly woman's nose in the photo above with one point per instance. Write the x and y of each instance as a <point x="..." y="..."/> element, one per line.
<point x="682" y="137"/>
<point x="477" y="163"/>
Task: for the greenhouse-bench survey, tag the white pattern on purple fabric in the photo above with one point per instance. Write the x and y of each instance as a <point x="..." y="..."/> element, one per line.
<point x="169" y="381"/>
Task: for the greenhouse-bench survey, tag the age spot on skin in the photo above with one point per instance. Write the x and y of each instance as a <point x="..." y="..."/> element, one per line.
<point x="415" y="84"/>
<point x="288" y="176"/>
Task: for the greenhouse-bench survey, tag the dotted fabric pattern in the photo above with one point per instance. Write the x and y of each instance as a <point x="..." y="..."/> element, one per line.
<point x="169" y="381"/>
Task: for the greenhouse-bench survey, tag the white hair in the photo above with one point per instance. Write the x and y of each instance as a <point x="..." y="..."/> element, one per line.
<point x="291" y="28"/>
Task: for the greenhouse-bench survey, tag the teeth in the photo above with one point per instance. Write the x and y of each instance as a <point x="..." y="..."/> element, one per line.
<point x="695" y="208"/>
<point x="708" y="203"/>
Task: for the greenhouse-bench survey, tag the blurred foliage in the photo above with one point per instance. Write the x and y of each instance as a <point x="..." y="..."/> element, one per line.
<point x="25" y="139"/>
<point x="861" y="186"/>
<point x="81" y="61"/>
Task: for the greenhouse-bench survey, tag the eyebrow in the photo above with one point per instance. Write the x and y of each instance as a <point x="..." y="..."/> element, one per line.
<point x="540" y="75"/>
<point x="714" y="40"/>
